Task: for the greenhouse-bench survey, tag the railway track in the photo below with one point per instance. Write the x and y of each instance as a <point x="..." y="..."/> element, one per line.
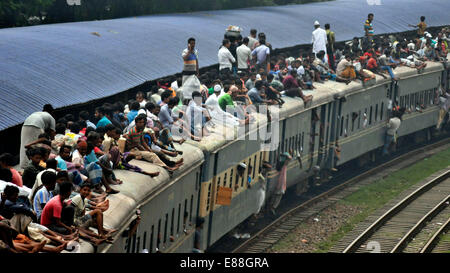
<point x="280" y="227"/>
<point x="393" y="231"/>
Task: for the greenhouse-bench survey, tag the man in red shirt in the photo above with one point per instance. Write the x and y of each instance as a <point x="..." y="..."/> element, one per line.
<point x="58" y="216"/>
<point x="372" y="64"/>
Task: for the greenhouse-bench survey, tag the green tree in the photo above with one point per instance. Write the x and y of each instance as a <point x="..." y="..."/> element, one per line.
<point x="18" y="12"/>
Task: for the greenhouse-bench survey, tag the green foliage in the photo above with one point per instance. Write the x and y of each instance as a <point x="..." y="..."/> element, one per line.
<point x="18" y="12"/>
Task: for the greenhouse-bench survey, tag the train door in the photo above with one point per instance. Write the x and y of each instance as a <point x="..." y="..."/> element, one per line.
<point x="323" y="135"/>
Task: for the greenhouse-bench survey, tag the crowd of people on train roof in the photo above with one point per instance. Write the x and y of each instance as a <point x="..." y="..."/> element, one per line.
<point x="67" y="163"/>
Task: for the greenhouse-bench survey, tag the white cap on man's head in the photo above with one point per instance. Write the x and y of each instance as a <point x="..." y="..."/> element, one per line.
<point x="316" y="23"/>
<point x="217" y="88"/>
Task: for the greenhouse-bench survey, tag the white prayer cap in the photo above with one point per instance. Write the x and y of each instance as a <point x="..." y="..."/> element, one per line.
<point x="243" y="165"/>
<point x="217" y="88"/>
<point x="316" y="23"/>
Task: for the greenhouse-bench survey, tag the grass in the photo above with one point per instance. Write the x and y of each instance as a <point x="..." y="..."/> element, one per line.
<point x="376" y="195"/>
<point x="445" y="239"/>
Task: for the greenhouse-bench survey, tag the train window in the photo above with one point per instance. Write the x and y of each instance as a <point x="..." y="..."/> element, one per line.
<point x="144" y="241"/>
<point x="138" y="244"/>
<point x="158" y="238"/>
<point x="166" y="223"/>
<point x="242" y="177"/>
<point x="346" y="126"/>
<point x="208" y="201"/>
<point x="342" y="126"/>
<point x="150" y="249"/>
<point x="225" y="179"/>
<point x="254" y="167"/>
<point x="359" y="119"/>
<point x="381" y="111"/>
<point x="236" y="182"/>
<point x="218" y="185"/>
<point x="185" y="215"/>
<point x="353" y="121"/>
<point x="261" y="158"/>
<point x="172" y="222"/>
<point x="192" y="207"/>
<point x="133" y="249"/>
<point x="401" y="100"/>
<point x="178" y="220"/>
<point x="197" y="182"/>
<point x="231" y="177"/>
<point x="370" y="115"/>
<point x="376" y="113"/>
<point x="247" y="170"/>
<point x="303" y="139"/>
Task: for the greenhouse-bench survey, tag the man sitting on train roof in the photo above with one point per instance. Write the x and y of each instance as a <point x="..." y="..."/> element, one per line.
<point x="292" y="87"/>
<point x="137" y="144"/>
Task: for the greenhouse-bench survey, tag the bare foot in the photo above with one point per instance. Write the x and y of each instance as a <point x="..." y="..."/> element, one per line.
<point x="151" y="174"/>
<point x="61" y="247"/>
<point x="112" y="191"/>
<point x="38" y="247"/>
<point x="97" y="242"/>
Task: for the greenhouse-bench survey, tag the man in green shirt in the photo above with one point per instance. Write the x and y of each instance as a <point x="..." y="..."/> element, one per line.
<point x="226" y="100"/>
<point x="330" y="46"/>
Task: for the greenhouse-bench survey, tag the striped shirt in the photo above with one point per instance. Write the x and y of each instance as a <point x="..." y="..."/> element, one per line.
<point x="190" y="65"/>
<point x="134" y="137"/>
<point x="41" y="197"/>
<point x="369" y="27"/>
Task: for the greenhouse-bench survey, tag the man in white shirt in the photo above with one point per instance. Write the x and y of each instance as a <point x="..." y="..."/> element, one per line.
<point x="252" y="41"/>
<point x="319" y="39"/>
<point x="197" y="116"/>
<point x="226" y="59"/>
<point x="392" y="127"/>
<point x="36" y="124"/>
<point x="244" y="54"/>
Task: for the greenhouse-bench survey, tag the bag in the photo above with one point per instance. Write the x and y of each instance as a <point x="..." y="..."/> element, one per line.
<point x="190" y="84"/>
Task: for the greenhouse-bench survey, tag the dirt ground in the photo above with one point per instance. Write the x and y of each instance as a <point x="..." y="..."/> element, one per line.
<point x="306" y="237"/>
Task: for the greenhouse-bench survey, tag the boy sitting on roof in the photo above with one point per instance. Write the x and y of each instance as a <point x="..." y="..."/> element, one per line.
<point x="136" y="144"/>
<point x="94" y="218"/>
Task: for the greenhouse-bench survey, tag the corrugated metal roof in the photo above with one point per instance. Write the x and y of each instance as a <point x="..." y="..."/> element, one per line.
<point x="65" y="64"/>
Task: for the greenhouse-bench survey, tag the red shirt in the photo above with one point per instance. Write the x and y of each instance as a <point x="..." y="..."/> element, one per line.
<point x="51" y="211"/>
<point x="16" y="178"/>
<point x="372" y="63"/>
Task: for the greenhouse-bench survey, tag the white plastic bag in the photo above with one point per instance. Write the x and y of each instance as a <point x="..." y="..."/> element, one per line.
<point x="190" y="84"/>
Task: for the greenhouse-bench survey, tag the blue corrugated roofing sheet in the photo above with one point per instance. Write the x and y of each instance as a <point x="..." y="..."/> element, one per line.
<point x="65" y="64"/>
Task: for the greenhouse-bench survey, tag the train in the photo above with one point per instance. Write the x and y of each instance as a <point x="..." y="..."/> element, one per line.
<point x="158" y="214"/>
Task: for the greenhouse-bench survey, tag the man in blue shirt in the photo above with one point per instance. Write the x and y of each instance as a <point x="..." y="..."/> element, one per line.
<point x="255" y="93"/>
<point x="100" y="114"/>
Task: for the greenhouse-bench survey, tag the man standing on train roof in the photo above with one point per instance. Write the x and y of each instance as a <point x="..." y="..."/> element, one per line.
<point x="190" y="59"/>
<point x="368" y="28"/>
<point x="330" y="46"/>
<point x="421" y="26"/>
<point x="319" y="39"/>
<point x="36" y="124"/>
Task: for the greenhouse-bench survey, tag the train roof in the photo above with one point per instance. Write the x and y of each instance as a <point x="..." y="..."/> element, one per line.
<point x="72" y="63"/>
<point x="137" y="189"/>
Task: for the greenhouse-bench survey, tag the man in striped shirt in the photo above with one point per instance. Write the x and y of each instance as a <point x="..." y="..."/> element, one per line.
<point x="45" y="193"/>
<point x="368" y="28"/>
